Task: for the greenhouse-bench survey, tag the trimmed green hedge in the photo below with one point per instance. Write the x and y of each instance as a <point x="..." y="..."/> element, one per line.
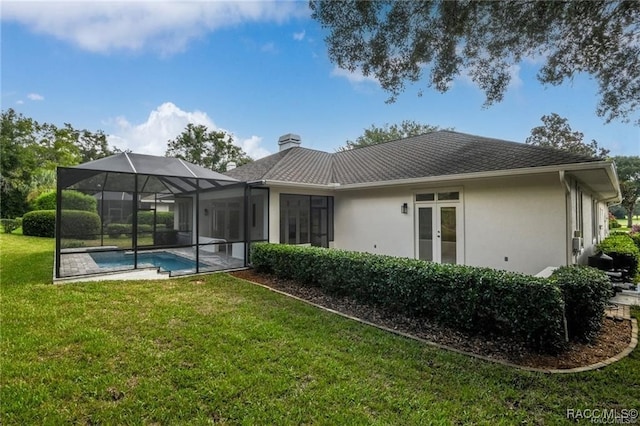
<point x="79" y="224"/>
<point x="116" y="230"/>
<point x="623" y="250"/>
<point x="39" y="223"/>
<point x="71" y="200"/>
<point x="476" y="300"/>
<point x="586" y="292"/>
<point x="146" y="218"/>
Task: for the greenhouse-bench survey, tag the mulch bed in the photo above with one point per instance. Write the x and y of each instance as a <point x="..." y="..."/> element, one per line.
<point x="613" y="338"/>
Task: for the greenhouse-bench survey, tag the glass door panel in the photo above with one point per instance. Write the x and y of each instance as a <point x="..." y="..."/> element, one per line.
<point x="448" y="234"/>
<point x="425" y="233"/>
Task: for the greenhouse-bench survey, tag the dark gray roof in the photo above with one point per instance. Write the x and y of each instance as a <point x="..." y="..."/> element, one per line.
<point x="292" y="165"/>
<point x="126" y="162"/>
<point x="432" y="154"/>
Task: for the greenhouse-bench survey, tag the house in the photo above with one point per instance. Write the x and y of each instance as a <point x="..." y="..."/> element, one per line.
<point x="443" y="196"/>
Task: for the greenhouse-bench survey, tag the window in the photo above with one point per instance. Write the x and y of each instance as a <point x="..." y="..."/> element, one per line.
<point x="306" y="219"/>
<point x="440" y="196"/>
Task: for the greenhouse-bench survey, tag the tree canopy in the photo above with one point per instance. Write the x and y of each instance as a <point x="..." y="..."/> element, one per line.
<point x="210" y="149"/>
<point x="31" y="151"/>
<point x="629" y="175"/>
<point x="398" y="42"/>
<point x="375" y="135"/>
<point x="556" y="133"/>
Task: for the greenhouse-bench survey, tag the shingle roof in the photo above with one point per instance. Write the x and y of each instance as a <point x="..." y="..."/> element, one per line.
<point x="432" y="154"/>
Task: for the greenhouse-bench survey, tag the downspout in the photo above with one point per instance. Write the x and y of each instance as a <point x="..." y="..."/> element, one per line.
<point x="567" y="215"/>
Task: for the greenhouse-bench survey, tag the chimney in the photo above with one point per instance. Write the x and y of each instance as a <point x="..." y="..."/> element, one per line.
<point x="231" y="165"/>
<point x="289" y="141"/>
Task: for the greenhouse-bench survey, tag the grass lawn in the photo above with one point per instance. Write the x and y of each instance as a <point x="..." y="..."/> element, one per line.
<point x="217" y="349"/>
<point x="623" y="224"/>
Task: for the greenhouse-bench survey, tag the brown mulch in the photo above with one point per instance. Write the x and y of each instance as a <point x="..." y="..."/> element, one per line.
<point x="612" y="339"/>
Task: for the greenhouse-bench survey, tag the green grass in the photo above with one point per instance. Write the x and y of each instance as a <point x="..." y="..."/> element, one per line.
<point x="185" y="351"/>
<point x="623" y="224"/>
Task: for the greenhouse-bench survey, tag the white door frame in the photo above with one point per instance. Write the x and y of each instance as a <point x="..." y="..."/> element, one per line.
<point x="436" y="221"/>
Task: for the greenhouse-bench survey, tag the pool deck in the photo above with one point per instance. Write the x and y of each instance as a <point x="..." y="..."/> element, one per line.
<point x="78" y="266"/>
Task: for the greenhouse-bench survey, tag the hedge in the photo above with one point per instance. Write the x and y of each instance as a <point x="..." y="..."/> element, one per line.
<point x="586" y="292"/>
<point x="39" y="223"/>
<point x="146" y="218"/>
<point x="71" y="200"/>
<point x="116" y="230"/>
<point x="623" y="250"/>
<point x="475" y="300"/>
<point x="78" y="224"/>
<point x="10" y="225"/>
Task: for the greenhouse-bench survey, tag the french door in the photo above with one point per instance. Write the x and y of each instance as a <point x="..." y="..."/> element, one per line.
<point x="439" y="236"/>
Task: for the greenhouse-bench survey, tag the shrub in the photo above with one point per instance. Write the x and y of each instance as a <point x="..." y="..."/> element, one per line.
<point x="39" y="223"/>
<point x="146" y="218"/>
<point x="623" y="250"/>
<point x="78" y="224"/>
<point x="586" y="292"/>
<point x="476" y="300"/>
<point x="45" y="201"/>
<point x="71" y="200"/>
<point x="10" y="225"/>
<point x="115" y="230"/>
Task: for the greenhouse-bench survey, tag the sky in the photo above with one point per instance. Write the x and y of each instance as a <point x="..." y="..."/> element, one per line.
<point x="142" y="70"/>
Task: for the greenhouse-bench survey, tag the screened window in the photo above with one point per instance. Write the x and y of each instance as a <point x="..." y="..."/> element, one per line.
<point x="306" y="219"/>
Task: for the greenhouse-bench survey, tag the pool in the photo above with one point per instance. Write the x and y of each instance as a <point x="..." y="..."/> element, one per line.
<point x="163" y="260"/>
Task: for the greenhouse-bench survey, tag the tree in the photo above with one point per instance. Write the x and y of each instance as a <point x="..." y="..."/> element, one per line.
<point x="30" y="153"/>
<point x="629" y="175"/>
<point x="399" y="41"/>
<point x="557" y="133"/>
<point x="375" y="135"/>
<point x="210" y="149"/>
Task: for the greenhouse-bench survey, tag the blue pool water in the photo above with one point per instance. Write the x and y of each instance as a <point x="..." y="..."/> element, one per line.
<point x="163" y="260"/>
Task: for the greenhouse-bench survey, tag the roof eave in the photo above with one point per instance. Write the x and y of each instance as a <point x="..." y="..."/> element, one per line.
<point x="486" y="174"/>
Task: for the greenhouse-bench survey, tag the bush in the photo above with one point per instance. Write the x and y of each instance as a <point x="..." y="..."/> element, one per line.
<point x="476" y="300"/>
<point x="586" y="292"/>
<point x="145" y="217"/>
<point x="623" y="250"/>
<point x="39" y="223"/>
<point x="71" y="200"/>
<point x="10" y="225"/>
<point x="78" y="224"/>
<point x="115" y="230"/>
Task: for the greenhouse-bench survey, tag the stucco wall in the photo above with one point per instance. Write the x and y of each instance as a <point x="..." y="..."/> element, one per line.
<point x="521" y="219"/>
<point x="516" y="224"/>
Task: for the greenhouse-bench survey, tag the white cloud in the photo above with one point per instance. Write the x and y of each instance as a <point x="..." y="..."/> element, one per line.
<point x="165" y="123"/>
<point x="299" y="36"/>
<point x="167" y="27"/>
<point x="269" y="48"/>
<point x="19" y="102"/>
<point x="35" y="97"/>
<point x="355" y="77"/>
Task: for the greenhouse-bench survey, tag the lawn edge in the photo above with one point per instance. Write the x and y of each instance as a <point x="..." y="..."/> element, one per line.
<point x="601" y="364"/>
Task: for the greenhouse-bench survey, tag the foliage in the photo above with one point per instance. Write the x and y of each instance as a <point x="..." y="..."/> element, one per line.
<point x="586" y="292"/>
<point x="115" y="230"/>
<point x="146" y="218"/>
<point x="376" y="135"/>
<point x="617" y="211"/>
<point x="557" y="133"/>
<point x="629" y="175"/>
<point x="39" y="223"/>
<point x="79" y="224"/>
<point x="71" y="200"/>
<point x="613" y="222"/>
<point x="210" y="149"/>
<point x="476" y="300"/>
<point x="624" y="252"/>
<point x="10" y="225"/>
<point x="30" y="152"/>
<point x="398" y="41"/>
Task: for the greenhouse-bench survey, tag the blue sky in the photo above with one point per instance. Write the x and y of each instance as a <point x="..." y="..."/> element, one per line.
<point x="140" y="71"/>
